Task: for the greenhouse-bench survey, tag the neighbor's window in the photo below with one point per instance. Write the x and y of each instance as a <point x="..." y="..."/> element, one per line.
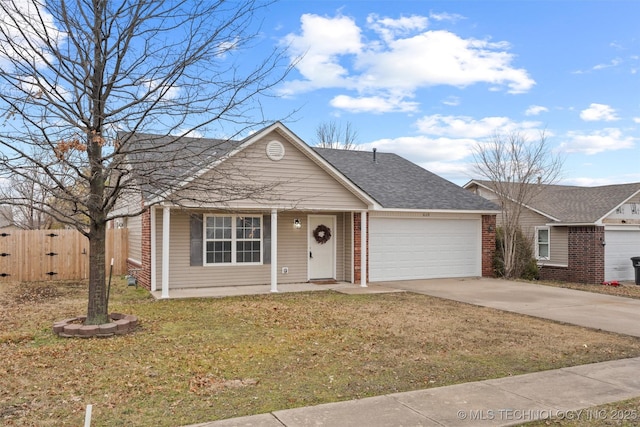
<point x="233" y="239"/>
<point x="542" y="242"/>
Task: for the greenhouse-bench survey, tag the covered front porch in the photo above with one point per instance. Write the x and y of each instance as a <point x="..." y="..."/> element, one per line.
<point x="287" y="248"/>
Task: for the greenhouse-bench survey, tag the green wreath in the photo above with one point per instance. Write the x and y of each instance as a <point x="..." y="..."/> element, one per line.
<point x="322" y="234"/>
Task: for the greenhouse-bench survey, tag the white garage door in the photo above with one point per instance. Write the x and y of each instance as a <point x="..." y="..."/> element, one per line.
<point x="621" y="245"/>
<point x="407" y="248"/>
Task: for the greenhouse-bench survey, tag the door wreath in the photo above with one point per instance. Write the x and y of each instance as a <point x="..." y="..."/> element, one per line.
<point x="322" y="234"/>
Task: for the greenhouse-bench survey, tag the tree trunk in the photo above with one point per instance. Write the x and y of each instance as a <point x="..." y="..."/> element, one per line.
<point x="97" y="309"/>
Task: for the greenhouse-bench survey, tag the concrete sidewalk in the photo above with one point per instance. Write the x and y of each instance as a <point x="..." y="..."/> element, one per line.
<point x="562" y="393"/>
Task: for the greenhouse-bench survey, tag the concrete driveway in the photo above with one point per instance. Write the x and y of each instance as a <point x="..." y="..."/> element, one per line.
<point x="592" y="310"/>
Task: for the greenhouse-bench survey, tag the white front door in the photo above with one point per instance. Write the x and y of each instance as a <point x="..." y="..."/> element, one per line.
<point x="322" y="246"/>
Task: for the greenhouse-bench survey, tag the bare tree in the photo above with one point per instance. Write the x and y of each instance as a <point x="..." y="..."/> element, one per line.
<point x="331" y="135"/>
<point x="78" y="78"/>
<point x="26" y="201"/>
<point x="518" y="170"/>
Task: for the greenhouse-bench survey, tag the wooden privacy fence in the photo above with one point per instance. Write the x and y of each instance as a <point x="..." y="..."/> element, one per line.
<point x="35" y="255"/>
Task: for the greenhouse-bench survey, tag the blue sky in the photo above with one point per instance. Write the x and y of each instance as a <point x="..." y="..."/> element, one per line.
<point x="428" y="80"/>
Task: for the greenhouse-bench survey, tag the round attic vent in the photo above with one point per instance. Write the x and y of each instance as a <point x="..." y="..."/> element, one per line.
<point x="275" y="150"/>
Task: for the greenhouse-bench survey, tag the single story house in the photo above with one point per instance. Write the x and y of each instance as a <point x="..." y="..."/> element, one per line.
<point x="580" y="234"/>
<point x="310" y="214"/>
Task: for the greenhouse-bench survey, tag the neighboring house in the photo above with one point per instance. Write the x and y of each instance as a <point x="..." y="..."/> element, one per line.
<point x="580" y="234"/>
<point x="331" y="215"/>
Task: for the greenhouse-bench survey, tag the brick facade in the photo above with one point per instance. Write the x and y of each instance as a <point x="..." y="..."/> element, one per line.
<point x="586" y="257"/>
<point x="488" y="244"/>
<point x="357" y="247"/>
<point x="144" y="273"/>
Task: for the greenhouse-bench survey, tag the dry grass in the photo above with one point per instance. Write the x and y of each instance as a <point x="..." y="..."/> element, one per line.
<point x="204" y="359"/>
<point x="625" y="289"/>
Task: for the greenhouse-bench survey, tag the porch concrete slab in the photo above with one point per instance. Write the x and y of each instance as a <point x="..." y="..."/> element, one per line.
<point x="370" y="289"/>
<point x="373" y="411"/>
<point x="228" y="291"/>
<point x="588" y="309"/>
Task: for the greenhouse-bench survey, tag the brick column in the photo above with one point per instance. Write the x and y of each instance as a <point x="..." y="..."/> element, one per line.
<point x="144" y="276"/>
<point x="357" y="245"/>
<point x="488" y="244"/>
<point x="586" y="254"/>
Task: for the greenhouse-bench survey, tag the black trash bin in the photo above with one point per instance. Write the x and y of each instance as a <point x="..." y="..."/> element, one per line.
<point x="636" y="265"/>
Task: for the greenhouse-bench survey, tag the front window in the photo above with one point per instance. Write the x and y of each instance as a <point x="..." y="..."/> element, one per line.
<point x="233" y="239"/>
<point x="542" y="243"/>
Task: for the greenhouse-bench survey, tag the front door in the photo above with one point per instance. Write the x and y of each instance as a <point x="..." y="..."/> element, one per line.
<point x="322" y="246"/>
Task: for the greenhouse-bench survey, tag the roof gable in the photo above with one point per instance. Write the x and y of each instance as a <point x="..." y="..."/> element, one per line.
<point x="573" y="204"/>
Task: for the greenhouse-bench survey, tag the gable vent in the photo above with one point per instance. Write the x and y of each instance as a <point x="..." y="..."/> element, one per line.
<point x="275" y="150"/>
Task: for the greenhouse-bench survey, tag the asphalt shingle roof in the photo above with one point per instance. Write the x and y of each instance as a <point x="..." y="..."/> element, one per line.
<point x="397" y="183"/>
<point x="394" y="182"/>
<point x="573" y="204"/>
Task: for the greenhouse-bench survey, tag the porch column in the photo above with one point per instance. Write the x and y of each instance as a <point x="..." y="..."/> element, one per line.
<point x="166" y="217"/>
<point x="154" y="254"/>
<point x="274" y="250"/>
<point x="363" y="249"/>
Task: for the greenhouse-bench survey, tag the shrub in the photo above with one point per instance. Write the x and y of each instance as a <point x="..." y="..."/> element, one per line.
<point x="525" y="266"/>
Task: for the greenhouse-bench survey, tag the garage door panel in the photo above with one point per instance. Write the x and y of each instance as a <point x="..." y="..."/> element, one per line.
<point x="405" y="249"/>
<point x="621" y="245"/>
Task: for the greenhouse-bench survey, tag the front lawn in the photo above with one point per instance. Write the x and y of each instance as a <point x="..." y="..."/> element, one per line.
<point x="199" y="360"/>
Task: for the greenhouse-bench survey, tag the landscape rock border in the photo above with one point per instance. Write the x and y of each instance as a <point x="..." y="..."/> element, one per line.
<point x="74" y="327"/>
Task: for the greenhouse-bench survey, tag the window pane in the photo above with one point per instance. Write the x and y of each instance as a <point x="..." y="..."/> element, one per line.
<point x="248" y="251"/>
<point x="248" y="228"/>
<point x="543" y="236"/>
<point x="218" y="252"/>
<point x="543" y="251"/>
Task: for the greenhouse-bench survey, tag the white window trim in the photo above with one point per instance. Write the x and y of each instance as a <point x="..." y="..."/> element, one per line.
<point x="537" y="245"/>
<point x="234" y="240"/>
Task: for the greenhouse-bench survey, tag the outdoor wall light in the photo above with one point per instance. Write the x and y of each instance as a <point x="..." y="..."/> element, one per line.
<point x="490" y="228"/>
<point x="297" y="224"/>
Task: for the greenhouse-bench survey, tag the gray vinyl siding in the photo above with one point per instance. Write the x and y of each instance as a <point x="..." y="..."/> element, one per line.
<point x="292" y="253"/>
<point x="529" y="220"/>
<point x="134" y="226"/>
<point x="296" y="181"/>
<point x="559" y="241"/>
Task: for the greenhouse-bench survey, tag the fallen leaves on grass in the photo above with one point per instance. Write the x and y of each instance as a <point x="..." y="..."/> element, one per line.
<point x="207" y="384"/>
<point x="199" y="360"/>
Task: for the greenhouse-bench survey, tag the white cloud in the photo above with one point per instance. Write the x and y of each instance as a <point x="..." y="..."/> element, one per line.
<point x="468" y="127"/>
<point x="452" y="101"/>
<point x="373" y="104"/>
<point x="389" y="28"/>
<point x="612" y="63"/>
<point x="453" y="17"/>
<point x="598" y="112"/>
<point x="423" y="149"/>
<point x="320" y="45"/>
<point x="37" y="32"/>
<point x="440" y="58"/>
<point x="609" y="139"/>
<point x="459" y="172"/>
<point x="535" y="110"/>
<point x="395" y="58"/>
<point x="636" y="119"/>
